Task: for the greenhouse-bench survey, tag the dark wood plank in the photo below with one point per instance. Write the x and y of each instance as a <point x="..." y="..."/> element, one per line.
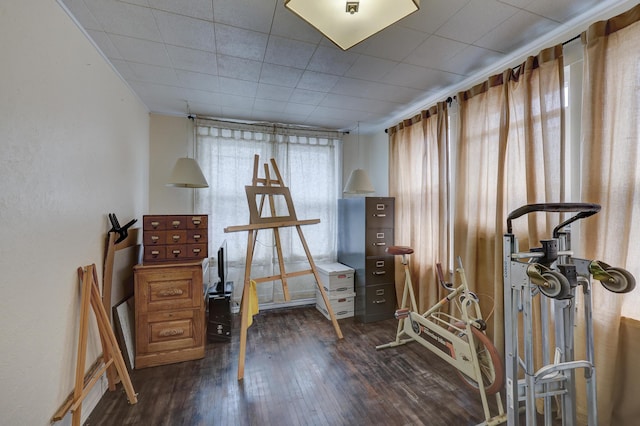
<point x="298" y="373"/>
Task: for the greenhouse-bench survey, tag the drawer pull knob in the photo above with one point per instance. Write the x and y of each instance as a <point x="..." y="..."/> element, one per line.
<point x="379" y="215"/>
<point x="171" y="292"/>
<point x="379" y="244"/>
<point x="154" y="238"/>
<point x="171" y="332"/>
<point x="175" y="223"/>
<point x="379" y="272"/>
<point x="155" y="224"/>
<point x="176" y="253"/>
<point x="175" y="238"/>
<point x="380" y="301"/>
<point x="197" y="237"/>
<point x="196" y="250"/>
<point x="196" y="221"/>
<point x="155" y="253"/>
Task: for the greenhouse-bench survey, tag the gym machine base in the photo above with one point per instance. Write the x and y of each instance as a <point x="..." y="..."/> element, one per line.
<point x="551" y="271"/>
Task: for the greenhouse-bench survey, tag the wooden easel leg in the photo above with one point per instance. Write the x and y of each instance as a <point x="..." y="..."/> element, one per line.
<point x="82" y="346"/>
<point x="244" y="306"/>
<point x="327" y="303"/>
<point x="108" y="339"/>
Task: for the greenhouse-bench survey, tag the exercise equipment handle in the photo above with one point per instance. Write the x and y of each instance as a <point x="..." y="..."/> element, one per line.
<point x="583" y="209"/>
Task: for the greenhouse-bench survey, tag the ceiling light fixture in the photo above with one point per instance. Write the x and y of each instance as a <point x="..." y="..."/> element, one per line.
<point x="348" y="24"/>
<point x="359" y="181"/>
<point x="186" y="172"/>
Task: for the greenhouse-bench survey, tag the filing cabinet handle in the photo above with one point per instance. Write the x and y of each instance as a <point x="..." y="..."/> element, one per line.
<point x="380" y="301"/>
<point x="379" y="272"/>
<point x="196" y="237"/>
<point x="155" y="238"/>
<point x="196" y="250"/>
<point x="171" y="292"/>
<point x="379" y="244"/>
<point x="155" y="253"/>
<point x="175" y="238"/>
<point x="196" y="221"/>
<point x="176" y="253"/>
<point x="379" y="215"/>
<point x="171" y="332"/>
<point x="175" y="223"/>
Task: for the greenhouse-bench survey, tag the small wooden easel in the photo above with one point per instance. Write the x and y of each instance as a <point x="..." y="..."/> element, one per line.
<point x="266" y="188"/>
<point x="111" y="354"/>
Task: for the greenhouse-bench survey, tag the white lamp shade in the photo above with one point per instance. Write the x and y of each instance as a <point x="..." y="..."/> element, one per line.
<point x="187" y="174"/>
<point x="359" y="183"/>
<point x="332" y="18"/>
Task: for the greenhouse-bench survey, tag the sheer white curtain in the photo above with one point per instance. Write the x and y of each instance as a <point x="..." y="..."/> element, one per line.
<point x="309" y="162"/>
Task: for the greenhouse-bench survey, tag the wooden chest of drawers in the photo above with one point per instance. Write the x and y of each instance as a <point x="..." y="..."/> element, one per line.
<point x="169" y="313"/>
<point x="174" y="238"/>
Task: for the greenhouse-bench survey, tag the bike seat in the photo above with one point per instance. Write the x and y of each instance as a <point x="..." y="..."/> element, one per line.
<point x="399" y="250"/>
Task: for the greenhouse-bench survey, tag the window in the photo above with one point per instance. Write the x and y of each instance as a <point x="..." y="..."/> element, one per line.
<point x="309" y="163"/>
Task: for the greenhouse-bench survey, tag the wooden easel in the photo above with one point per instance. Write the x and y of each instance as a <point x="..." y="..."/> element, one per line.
<point x="266" y="189"/>
<point x="111" y="354"/>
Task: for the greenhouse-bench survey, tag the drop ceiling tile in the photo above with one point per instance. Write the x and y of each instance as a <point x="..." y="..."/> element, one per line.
<point x="560" y="10"/>
<point x="300" y="109"/>
<point x="394" y="43"/>
<point x="186" y="32"/>
<point x="472" y="59"/>
<point x="475" y="20"/>
<point x="308" y="97"/>
<point x="205" y="109"/>
<point x="293" y="53"/>
<point x="123" y="69"/>
<point x="288" y="25"/>
<point x="143" y="51"/>
<point x="280" y="75"/>
<point x="102" y="40"/>
<point x="373" y="90"/>
<point x="201" y="9"/>
<point x="229" y="100"/>
<point x="269" y="105"/>
<point x="238" y="87"/>
<point x="421" y="78"/>
<point x="331" y="60"/>
<point x="435" y="50"/>
<point x="370" y="68"/>
<point x="117" y="17"/>
<point x="154" y="74"/>
<point x="320" y="82"/>
<point x="432" y="15"/>
<point x="192" y="60"/>
<point x="242" y="69"/>
<point x="196" y="80"/>
<point x="274" y="93"/>
<point x="240" y="42"/>
<point x="516" y="31"/>
<point x="81" y="12"/>
<point x="248" y="14"/>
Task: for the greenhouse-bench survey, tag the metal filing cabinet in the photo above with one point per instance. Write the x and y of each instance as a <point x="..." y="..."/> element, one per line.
<point x="365" y="230"/>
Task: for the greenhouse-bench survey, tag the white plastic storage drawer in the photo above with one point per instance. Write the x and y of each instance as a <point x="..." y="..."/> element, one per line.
<point x="342" y="304"/>
<point x="336" y="277"/>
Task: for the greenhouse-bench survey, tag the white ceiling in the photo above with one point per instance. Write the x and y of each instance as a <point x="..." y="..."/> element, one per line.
<point x="255" y="60"/>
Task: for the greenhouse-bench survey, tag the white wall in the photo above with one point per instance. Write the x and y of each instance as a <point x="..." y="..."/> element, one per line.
<point x="74" y="147"/>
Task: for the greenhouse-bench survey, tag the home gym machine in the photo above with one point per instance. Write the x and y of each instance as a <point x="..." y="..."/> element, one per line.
<point x="552" y="274"/>
<point x="458" y="340"/>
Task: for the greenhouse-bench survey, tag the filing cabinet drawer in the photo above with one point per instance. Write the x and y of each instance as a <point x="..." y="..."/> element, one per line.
<point x="377" y="240"/>
<point x="376" y="302"/>
<point x="379" y="212"/>
<point x="380" y="270"/>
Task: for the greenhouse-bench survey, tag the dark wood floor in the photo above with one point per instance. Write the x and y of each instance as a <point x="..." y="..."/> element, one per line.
<point x="298" y="373"/>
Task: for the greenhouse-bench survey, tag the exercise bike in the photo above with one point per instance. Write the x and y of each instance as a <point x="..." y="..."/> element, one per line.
<point x="460" y="341"/>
